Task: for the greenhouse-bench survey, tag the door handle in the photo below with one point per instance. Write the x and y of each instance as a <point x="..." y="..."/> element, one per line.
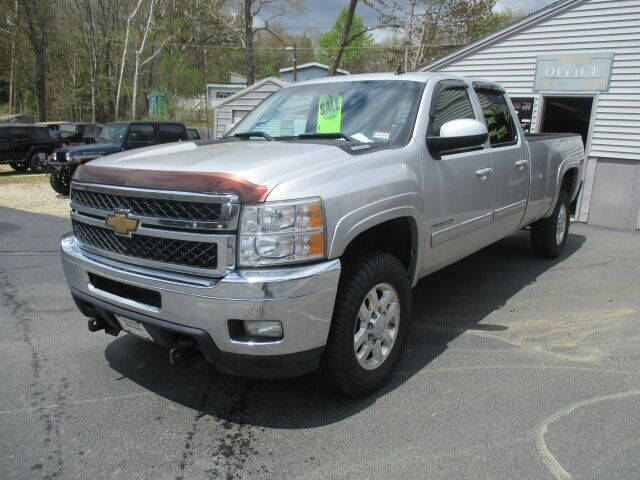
<point x="521" y="164"/>
<point x="484" y="172"/>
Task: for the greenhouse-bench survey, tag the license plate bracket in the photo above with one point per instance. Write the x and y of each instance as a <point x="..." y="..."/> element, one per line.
<point x="134" y="327"/>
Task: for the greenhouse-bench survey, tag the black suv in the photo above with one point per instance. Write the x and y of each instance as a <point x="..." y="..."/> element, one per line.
<point x="114" y="137"/>
<point x="26" y="146"/>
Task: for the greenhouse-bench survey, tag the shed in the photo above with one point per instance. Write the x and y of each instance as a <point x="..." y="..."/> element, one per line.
<point x="231" y="110"/>
<point x="308" y="71"/>
<point x="574" y="66"/>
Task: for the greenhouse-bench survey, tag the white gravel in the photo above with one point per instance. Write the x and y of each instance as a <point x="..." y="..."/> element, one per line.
<point x="31" y="193"/>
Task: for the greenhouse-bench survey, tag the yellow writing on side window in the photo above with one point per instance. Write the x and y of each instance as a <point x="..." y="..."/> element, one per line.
<point x="329" y="113"/>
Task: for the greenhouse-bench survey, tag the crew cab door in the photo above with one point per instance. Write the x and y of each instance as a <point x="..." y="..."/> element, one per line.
<point x="458" y="183"/>
<point x="510" y="160"/>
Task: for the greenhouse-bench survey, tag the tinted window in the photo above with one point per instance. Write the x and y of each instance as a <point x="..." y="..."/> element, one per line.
<point x="141" y="133"/>
<point x="90" y="131"/>
<point x="4" y="134"/>
<point x="170" y="133"/>
<point x="40" y="135"/>
<point x="452" y="103"/>
<point x="497" y="116"/>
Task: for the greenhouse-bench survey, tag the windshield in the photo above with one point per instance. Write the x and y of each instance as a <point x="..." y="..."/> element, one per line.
<point x="380" y="111"/>
<point x="113" y="132"/>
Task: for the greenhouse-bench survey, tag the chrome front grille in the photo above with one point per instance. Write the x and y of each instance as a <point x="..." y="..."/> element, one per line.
<point x="149" y="207"/>
<point x="178" y="231"/>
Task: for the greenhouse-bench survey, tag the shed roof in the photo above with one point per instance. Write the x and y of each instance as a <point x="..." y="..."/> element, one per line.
<point x="250" y="88"/>
<point x="311" y="65"/>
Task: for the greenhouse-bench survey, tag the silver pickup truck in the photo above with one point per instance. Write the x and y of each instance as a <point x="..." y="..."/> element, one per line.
<point x="292" y="244"/>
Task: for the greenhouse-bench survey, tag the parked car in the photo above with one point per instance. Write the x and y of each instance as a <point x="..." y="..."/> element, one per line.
<point x="291" y="246"/>
<point x="114" y="137"/>
<point x="25" y="146"/>
<point x="193" y="134"/>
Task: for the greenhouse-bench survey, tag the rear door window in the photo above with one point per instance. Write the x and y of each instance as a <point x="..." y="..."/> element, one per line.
<point x="497" y="116"/>
<point x="142" y="134"/>
<point x="452" y="103"/>
<point x="168" y="132"/>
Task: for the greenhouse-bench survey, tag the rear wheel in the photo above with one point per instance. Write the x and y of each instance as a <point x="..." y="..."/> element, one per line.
<point x="36" y="163"/>
<point x="369" y="325"/>
<point x="549" y="235"/>
<point x="20" y="166"/>
<point x="60" y="181"/>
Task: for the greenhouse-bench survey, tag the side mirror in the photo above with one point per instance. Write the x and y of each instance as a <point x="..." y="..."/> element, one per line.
<point x="458" y="135"/>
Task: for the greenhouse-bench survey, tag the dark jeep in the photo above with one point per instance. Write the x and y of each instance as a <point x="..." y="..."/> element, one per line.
<point x="26" y="146"/>
<point x="114" y="137"/>
<point x="70" y="133"/>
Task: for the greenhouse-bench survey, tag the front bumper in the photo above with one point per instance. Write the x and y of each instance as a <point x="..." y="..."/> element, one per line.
<point x="302" y="298"/>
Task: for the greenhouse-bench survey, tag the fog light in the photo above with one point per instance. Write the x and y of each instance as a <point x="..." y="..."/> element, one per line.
<point x="262" y="328"/>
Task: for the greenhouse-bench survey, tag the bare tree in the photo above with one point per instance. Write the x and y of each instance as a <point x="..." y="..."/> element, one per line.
<point x="387" y="18"/>
<point x="407" y="45"/>
<point x="124" y="57"/>
<point x="38" y="14"/>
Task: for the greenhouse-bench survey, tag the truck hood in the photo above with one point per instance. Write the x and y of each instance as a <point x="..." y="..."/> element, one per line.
<point x="250" y="168"/>
<point x="93" y="150"/>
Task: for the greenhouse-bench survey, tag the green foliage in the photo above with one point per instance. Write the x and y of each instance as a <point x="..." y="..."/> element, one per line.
<point x="179" y="77"/>
<point x="328" y="42"/>
<point x="493" y="21"/>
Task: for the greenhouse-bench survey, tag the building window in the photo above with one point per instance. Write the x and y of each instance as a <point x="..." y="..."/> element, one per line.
<point x="223" y="95"/>
<point x="524" y="108"/>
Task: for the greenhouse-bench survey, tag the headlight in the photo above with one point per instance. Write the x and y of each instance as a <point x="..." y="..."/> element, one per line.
<point x="69" y="158"/>
<point x="275" y="233"/>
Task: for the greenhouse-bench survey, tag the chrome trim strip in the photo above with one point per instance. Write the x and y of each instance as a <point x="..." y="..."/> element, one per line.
<point x="451" y="233"/>
<point x="508" y="210"/>
<point x="161" y="194"/>
<point x="156" y="232"/>
<point x="231" y="210"/>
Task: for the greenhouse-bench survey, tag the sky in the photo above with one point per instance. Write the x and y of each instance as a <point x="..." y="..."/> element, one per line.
<point x="321" y="13"/>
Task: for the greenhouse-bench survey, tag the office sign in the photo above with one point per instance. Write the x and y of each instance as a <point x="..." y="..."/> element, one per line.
<point x="575" y="72"/>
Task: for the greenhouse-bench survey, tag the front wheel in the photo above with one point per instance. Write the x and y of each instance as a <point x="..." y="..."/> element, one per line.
<point x="369" y="325"/>
<point x="36" y="163"/>
<point x="549" y="235"/>
<point x="60" y="181"/>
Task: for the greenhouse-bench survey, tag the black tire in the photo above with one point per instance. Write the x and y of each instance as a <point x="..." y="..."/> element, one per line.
<point x="36" y="164"/>
<point x="543" y="232"/>
<point x="20" y="167"/>
<point x="339" y="369"/>
<point x="60" y="182"/>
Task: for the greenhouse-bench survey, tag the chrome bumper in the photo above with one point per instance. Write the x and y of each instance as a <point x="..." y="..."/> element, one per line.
<point x="302" y="298"/>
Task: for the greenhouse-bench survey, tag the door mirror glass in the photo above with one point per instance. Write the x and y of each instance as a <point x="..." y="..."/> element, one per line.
<point x="457" y="136"/>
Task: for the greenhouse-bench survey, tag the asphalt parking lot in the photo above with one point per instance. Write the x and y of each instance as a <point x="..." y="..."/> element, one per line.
<point x="515" y="367"/>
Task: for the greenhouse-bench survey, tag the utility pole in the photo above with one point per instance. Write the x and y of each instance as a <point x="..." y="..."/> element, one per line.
<point x="294" y="51"/>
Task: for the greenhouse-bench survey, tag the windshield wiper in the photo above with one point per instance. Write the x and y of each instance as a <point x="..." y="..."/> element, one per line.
<point x="335" y="135"/>
<point x="248" y="135"/>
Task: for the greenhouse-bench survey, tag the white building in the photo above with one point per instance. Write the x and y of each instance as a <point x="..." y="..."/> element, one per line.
<point x="575" y="66"/>
<point x="233" y="109"/>
<point x="216" y="92"/>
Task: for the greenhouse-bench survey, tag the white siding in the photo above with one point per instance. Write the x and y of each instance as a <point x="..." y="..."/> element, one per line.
<point x="592" y="26"/>
<point x="241" y="104"/>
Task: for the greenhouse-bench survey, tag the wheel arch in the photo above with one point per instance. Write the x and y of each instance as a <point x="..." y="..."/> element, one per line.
<point x="395" y="231"/>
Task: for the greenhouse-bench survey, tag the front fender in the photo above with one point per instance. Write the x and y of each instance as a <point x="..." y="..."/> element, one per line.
<point x="352" y="224"/>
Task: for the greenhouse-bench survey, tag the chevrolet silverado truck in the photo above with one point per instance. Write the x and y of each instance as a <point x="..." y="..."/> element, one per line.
<point x="114" y="137"/>
<point x="291" y="245"/>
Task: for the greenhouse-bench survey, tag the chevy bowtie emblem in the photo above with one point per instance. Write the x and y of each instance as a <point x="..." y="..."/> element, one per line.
<point x="120" y="223"/>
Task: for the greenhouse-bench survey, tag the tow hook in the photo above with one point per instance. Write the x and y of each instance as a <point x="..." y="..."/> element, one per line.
<point x="184" y="349"/>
